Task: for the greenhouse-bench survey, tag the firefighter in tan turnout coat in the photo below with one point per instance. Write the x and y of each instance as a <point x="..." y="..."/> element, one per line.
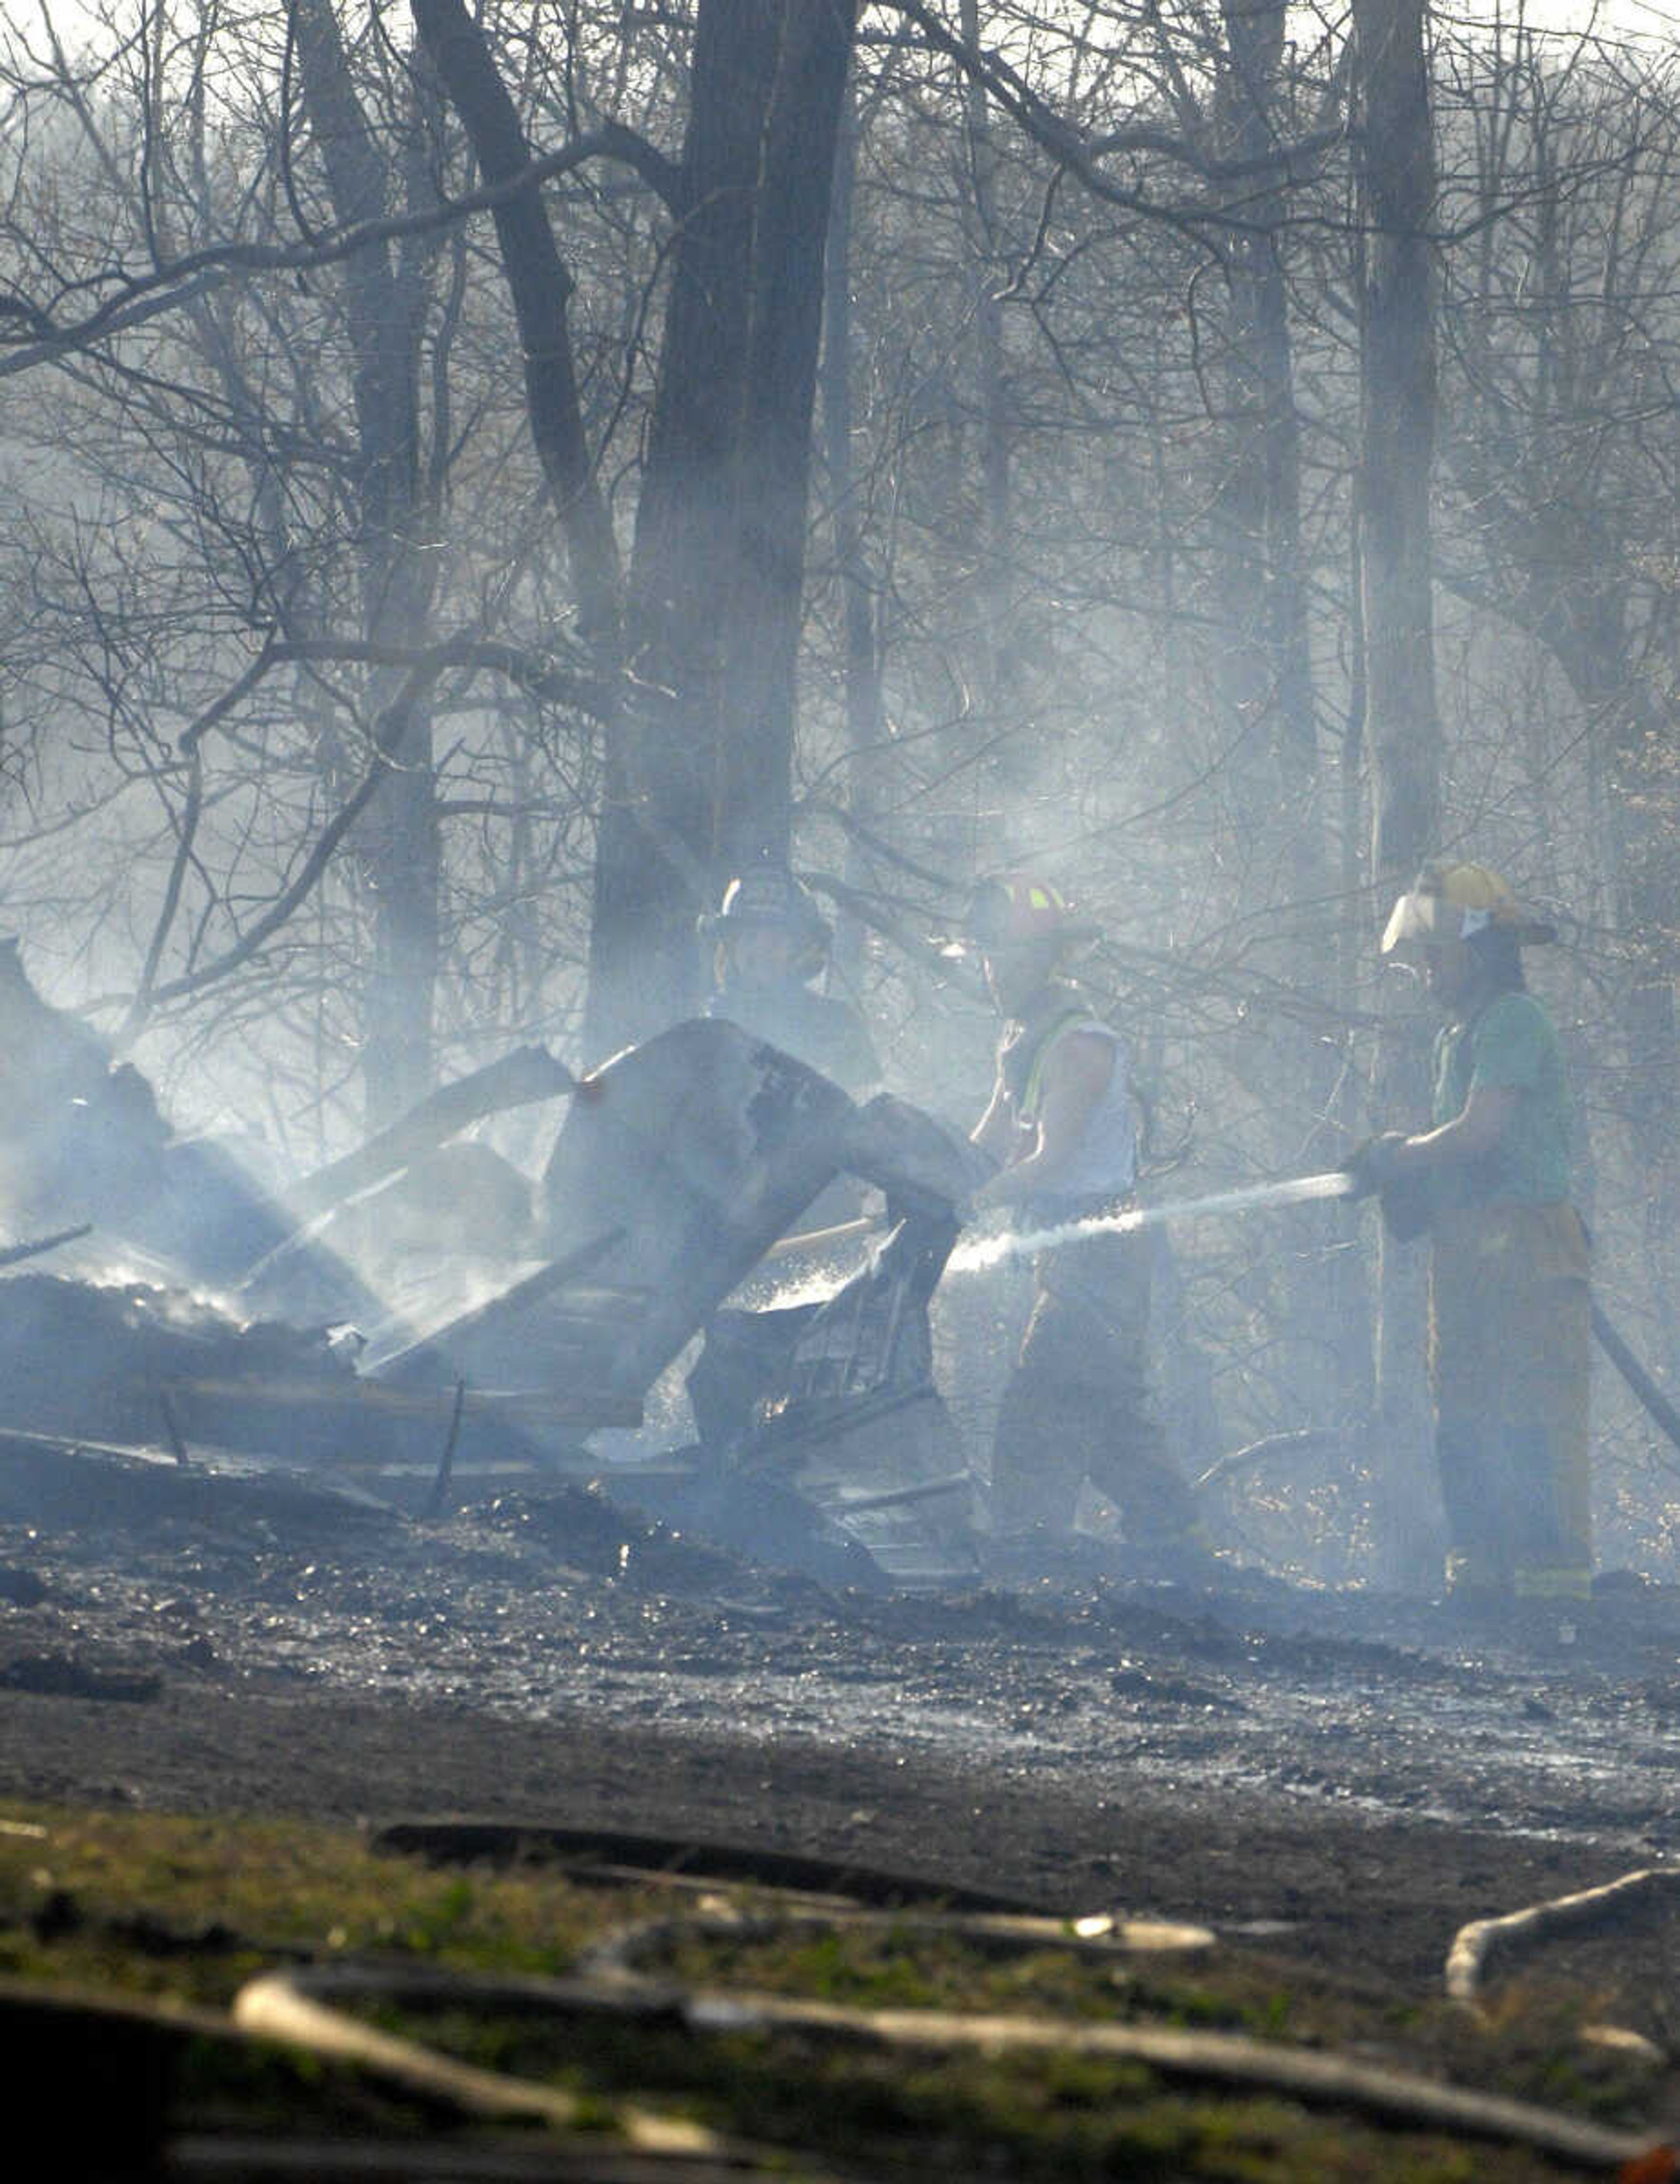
<point x="1509" y="1308"/>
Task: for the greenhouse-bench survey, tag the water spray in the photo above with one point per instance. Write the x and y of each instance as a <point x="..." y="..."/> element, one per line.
<point x="980" y="1253"/>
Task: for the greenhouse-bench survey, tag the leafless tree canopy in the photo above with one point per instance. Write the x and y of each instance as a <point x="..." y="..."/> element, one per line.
<point x="474" y="478"/>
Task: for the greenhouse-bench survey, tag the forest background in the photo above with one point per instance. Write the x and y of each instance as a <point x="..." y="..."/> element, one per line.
<point x="475" y="478"/>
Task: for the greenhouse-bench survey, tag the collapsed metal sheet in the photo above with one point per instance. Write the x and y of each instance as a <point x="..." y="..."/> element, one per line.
<point x="83" y="1141"/>
<point x="921" y="1164"/>
<point x="835" y="1401"/>
<point x="702" y="1146"/>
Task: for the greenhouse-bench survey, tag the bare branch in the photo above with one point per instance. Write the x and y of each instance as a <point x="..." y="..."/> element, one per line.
<point x="176" y="282"/>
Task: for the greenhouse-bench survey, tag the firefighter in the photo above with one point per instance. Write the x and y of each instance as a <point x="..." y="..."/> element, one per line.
<point x="1509" y="1308"/>
<point x="1078" y="1404"/>
<point x="772" y="941"/>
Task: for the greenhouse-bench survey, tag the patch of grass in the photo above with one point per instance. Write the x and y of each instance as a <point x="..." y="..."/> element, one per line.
<point x="891" y="1967"/>
<point x="69" y="1896"/>
<point x="249" y="2088"/>
<point x="1041" y="2116"/>
<point x="164" y="1906"/>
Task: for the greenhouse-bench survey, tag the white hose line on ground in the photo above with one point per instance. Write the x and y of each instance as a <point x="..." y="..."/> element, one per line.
<point x="1222" y="2057"/>
<point x="991" y="1934"/>
<point x="281" y="2006"/>
<point x="1307" y="2074"/>
<point x="1474" y="1946"/>
<point x="278" y="2006"/>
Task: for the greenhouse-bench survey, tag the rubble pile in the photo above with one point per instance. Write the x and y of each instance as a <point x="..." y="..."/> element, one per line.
<point x="415" y="1312"/>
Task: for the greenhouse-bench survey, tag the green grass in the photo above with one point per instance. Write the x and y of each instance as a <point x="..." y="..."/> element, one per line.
<point x="186" y="1909"/>
<point x="71" y="1899"/>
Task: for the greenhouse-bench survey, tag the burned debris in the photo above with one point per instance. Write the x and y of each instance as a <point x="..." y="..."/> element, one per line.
<point x="839" y="1396"/>
<point x="200" y="1314"/>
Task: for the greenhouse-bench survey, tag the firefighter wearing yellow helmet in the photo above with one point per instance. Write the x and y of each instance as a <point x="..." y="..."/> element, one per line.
<point x="1509" y="1309"/>
<point x="1060" y="1123"/>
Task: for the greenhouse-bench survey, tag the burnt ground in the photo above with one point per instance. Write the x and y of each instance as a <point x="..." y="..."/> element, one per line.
<point x="1348" y="1777"/>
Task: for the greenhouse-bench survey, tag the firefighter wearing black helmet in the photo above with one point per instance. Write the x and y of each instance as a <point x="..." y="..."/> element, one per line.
<point x="771" y="942"/>
<point x="1510" y="1307"/>
<point x="1079" y="1404"/>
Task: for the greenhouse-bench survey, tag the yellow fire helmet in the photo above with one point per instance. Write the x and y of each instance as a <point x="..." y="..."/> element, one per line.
<point x="1456" y="902"/>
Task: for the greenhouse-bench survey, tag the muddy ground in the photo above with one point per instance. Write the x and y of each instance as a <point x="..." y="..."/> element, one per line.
<point x="1348" y="1777"/>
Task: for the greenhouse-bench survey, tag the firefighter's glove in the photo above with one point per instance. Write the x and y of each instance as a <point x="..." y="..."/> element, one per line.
<point x="1375" y="1164"/>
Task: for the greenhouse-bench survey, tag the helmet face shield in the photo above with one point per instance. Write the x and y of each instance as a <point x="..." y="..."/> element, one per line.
<point x="1456" y="902"/>
<point x="1420" y="922"/>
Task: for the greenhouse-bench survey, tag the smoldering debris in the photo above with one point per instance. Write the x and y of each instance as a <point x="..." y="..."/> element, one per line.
<point x="61" y="1486"/>
<point x="66" y="1676"/>
<point x="588" y="1531"/>
<point x="676" y="1167"/>
<point x="97" y="1361"/>
<point x="836" y="1399"/>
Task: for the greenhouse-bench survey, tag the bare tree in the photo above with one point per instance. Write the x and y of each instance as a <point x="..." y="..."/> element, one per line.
<point x="1397" y="439"/>
<point x="1561" y="448"/>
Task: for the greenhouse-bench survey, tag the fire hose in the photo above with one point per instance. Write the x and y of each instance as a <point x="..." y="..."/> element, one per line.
<point x="309" y="2007"/>
<point x="299" y="2007"/>
<point x="1484" y="1941"/>
<point x="978" y="1254"/>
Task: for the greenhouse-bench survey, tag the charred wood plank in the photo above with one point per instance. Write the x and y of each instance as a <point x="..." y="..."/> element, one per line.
<point x="849" y="1504"/>
<point x="529" y="1074"/>
<point x="437" y="1501"/>
<point x="430" y="1355"/>
<point x="62" y="1479"/>
<point x="577" y="1405"/>
<point x="15" y="1254"/>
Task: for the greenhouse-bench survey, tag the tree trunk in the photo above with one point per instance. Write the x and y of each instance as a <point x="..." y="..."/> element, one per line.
<point x="861" y="661"/>
<point x="703" y="782"/>
<point x="540" y="287"/>
<point x="1264" y="668"/>
<point x="1000" y="684"/>
<point x="1397" y="426"/>
<point x="1588" y="635"/>
<point x="398" y="843"/>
